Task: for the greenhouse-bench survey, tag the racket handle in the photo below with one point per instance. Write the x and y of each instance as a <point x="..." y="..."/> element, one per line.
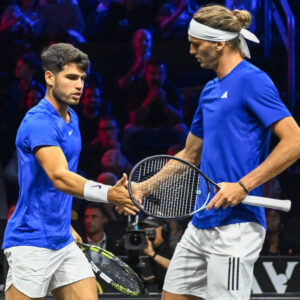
<point x="284" y="205"/>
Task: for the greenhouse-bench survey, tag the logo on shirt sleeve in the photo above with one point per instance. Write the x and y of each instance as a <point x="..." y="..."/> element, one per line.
<point x="70" y="132"/>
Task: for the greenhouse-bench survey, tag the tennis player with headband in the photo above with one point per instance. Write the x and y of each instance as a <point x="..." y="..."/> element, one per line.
<point x="230" y="136"/>
<point x="39" y="241"/>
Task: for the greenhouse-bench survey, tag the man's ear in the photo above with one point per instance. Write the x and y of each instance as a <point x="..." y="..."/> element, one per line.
<point x="220" y="46"/>
<point x="49" y="78"/>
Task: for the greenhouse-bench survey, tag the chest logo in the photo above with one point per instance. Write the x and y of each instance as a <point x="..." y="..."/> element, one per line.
<point x="224" y="96"/>
<point x="70" y="132"/>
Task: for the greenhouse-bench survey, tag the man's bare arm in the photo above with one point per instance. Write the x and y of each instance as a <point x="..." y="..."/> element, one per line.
<point x="54" y="163"/>
<point x="286" y="152"/>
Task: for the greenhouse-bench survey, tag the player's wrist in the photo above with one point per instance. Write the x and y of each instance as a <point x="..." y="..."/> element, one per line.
<point x="241" y="183"/>
<point x="96" y="192"/>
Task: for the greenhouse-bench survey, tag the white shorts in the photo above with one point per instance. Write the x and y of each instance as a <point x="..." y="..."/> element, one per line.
<point x="36" y="271"/>
<point x="216" y="263"/>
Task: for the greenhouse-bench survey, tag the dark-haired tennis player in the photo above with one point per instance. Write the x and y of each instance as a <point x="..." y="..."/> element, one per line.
<point x="230" y="135"/>
<point x="38" y="241"/>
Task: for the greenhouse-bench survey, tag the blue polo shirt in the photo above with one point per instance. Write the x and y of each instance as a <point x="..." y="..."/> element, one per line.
<point x="233" y="119"/>
<point x="43" y="214"/>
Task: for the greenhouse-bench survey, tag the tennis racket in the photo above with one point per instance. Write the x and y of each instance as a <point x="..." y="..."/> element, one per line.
<point x="112" y="270"/>
<point x="168" y="187"/>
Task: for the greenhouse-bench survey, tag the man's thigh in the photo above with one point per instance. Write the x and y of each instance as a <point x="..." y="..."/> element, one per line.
<point x="13" y="294"/>
<point x="84" y="289"/>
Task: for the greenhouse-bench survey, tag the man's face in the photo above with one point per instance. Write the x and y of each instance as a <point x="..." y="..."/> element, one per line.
<point x="155" y="75"/>
<point x="68" y="84"/>
<point x="205" y="52"/>
<point x="94" y="221"/>
<point x="22" y="70"/>
<point x="142" y="41"/>
<point x="91" y="99"/>
<point x="108" y="130"/>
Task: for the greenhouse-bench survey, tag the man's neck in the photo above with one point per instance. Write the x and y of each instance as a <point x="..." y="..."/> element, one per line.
<point x="97" y="237"/>
<point x="227" y="62"/>
<point x="61" y="108"/>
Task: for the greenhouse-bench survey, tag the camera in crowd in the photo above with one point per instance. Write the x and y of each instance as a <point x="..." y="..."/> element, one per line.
<point x="135" y="236"/>
<point x="135" y="239"/>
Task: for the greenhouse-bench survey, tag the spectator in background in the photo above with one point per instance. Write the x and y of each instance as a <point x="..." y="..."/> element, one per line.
<point x="279" y="240"/>
<point x="63" y="21"/>
<point x="26" y="68"/>
<point x="155" y="108"/>
<point x="95" y="219"/>
<point x="107" y="138"/>
<point x="120" y="18"/>
<point x="142" y="45"/>
<point x="93" y="107"/>
<point x="21" y="20"/>
<point x="173" y="18"/>
<point x="107" y="178"/>
<point x="158" y="250"/>
<point x="114" y="161"/>
<point x="155" y="102"/>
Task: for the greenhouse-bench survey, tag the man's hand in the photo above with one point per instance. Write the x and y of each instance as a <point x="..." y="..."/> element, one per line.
<point x="149" y="251"/>
<point x="76" y="236"/>
<point x="118" y="195"/>
<point x="229" y="194"/>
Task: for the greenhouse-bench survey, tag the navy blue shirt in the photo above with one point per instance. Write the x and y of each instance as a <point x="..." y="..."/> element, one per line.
<point x="43" y="214"/>
<point x="232" y="118"/>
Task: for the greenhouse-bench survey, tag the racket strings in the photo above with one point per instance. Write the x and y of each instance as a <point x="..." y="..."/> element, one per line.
<point x="171" y="185"/>
<point x="115" y="269"/>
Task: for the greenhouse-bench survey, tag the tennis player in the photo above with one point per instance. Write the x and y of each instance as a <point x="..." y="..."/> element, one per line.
<point x="230" y="135"/>
<point x="38" y="241"/>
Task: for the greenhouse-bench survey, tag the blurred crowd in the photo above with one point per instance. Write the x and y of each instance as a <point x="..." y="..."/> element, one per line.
<point x="139" y="99"/>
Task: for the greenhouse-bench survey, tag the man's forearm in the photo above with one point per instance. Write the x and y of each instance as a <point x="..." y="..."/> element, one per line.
<point x="69" y="183"/>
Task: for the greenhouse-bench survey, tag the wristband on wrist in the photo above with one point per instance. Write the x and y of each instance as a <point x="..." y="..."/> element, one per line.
<point x="152" y="257"/>
<point x="243" y="186"/>
<point x="95" y="191"/>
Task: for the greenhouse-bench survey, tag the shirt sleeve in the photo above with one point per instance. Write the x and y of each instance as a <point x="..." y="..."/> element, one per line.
<point x="197" y="123"/>
<point x="40" y="131"/>
<point x="263" y="99"/>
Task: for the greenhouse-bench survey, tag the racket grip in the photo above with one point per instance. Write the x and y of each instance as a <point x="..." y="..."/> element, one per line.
<point x="284" y="205"/>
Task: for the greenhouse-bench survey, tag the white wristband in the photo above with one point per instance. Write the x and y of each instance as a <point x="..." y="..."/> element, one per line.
<point x="95" y="191"/>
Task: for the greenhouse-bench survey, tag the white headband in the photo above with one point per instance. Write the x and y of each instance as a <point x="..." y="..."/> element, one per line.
<point x="203" y="32"/>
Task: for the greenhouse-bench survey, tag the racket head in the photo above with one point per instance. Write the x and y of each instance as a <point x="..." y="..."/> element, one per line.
<point x="112" y="270"/>
<point x="179" y="191"/>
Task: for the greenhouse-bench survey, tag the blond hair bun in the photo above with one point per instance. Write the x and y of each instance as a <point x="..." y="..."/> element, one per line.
<point x="243" y="16"/>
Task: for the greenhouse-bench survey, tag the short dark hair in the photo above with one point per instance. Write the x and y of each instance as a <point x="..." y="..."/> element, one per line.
<point x="101" y="208"/>
<point x="56" y="56"/>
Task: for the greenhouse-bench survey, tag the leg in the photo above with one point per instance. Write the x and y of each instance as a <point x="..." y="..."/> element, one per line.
<point x="13" y="294"/>
<point x="186" y="275"/>
<point x="170" y="296"/>
<point x="81" y="290"/>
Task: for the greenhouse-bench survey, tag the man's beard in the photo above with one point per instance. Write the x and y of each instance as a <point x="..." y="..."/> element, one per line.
<point x="63" y="98"/>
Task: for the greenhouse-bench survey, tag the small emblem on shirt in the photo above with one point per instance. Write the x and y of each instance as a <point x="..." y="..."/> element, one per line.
<point x="224" y="96"/>
<point x="70" y="132"/>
